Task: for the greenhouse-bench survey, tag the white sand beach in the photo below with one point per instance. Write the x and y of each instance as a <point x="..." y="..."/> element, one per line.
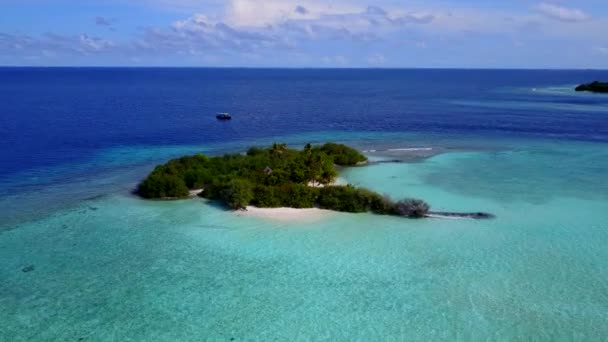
<point x="337" y="181"/>
<point x="195" y="192"/>
<point x="286" y="214"/>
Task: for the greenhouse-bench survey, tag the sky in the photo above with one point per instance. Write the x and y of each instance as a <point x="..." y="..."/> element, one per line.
<point x="552" y="34"/>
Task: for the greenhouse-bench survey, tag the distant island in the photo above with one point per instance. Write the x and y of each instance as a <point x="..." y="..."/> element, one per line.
<point x="278" y="177"/>
<point x="594" y="87"/>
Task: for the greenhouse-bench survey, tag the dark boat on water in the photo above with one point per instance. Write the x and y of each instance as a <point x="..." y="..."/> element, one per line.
<point x="223" y="116"/>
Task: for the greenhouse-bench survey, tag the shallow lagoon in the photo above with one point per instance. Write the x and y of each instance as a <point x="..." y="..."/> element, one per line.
<point x="118" y="268"/>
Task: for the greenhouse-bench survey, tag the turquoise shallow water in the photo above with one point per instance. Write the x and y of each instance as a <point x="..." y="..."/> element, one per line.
<point x="118" y="268"/>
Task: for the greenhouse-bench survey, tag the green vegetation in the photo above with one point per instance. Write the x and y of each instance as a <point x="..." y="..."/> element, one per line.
<point x="274" y="177"/>
<point x="342" y="154"/>
<point x="237" y="193"/>
<point x="162" y="183"/>
<point x="595" y="87"/>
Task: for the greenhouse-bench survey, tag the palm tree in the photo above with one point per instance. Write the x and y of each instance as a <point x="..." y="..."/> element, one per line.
<point x="278" y="149"/>
<point x="314" y="167"/>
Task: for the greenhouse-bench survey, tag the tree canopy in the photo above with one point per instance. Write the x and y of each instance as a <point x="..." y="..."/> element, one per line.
<point x="274" y="177"/>
<point x="595" y="87"/>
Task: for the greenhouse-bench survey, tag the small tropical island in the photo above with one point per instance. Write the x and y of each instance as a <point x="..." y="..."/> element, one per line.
<point x="594" y="87"/>
<point x="279" y="177"/>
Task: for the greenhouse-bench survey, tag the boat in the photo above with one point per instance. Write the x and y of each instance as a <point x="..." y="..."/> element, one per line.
<point x="223" y="116"/>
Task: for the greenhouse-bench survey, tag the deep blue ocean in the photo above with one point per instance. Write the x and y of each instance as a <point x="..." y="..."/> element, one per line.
<point x="83" y="259"/>
<point x="57" y="115"/>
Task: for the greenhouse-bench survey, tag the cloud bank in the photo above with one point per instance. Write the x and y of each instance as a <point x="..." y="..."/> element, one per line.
<point x="562" y="13"/>
<point x="317" y="33"/>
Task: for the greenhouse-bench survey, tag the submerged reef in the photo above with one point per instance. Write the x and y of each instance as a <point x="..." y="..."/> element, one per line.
<point x="28" y="269"/>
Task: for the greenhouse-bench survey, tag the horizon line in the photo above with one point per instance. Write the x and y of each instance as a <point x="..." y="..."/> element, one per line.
<point x="288" y="68"/>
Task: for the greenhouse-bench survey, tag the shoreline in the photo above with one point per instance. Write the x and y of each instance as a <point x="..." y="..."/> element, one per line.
<point x="337" y="181"/>
<point x="285" y="214"/>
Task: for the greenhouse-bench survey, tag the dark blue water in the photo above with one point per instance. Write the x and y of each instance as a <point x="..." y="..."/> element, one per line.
<point x="53" y="116"/>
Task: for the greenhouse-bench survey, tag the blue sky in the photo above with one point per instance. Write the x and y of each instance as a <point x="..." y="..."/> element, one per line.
<point x="306" y="33"/>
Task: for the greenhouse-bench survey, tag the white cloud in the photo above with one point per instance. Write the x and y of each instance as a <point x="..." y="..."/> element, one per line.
<point x="346" y="32"/>
<point x="93" y="44"/>
<point x="562" y="13"/>
<point x="270" y="12"/>
<point x="251" y="13"/>
<point x="376" y="59"/>
<point x="51" y="44"/>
